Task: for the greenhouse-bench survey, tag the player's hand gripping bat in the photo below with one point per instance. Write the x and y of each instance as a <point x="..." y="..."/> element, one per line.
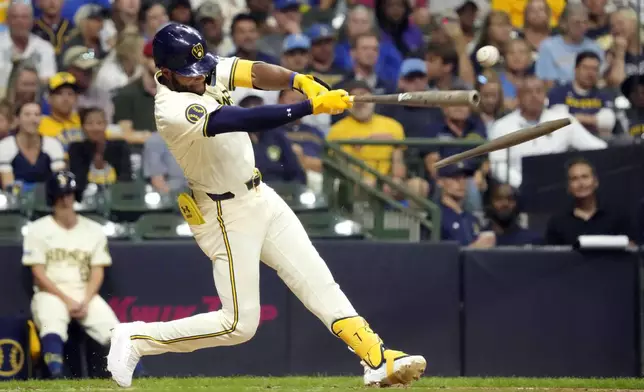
<point x="423" y="98"/>
<point x="509" y="140"/>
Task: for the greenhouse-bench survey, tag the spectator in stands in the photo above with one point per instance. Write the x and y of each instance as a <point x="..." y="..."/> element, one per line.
<point x="6" y="119"/>
<point x="89" y="22"/>
<point x="323" y="41"/>
<point x="412" y="78"/>
<point x="63" y="123"/>
<point x="502" y="212"/>
<point x="151" y="17"/>
<point x="518" y="64"/>
<point x="361" y="20"/>
<point x="458" y="122"/>
<point x="160" y="168"/>
<point x="631" y="121"/>
<point x="51" y="26"/>
<point x="448" y="36"/>
<point x="442" y="67"/>
<point x="496" y="31"/>
<point x="134" y="103"/>
<point x="26" y="157"/>
<point x="96" y="160"/>
<point x="209" y="19"/>
<point x="517" y="9"/>
<point x="492" y="106"/>
<point x="624" y="57"/>
<point x="457" y="224"/>
<point x="557" y="54"/>
<point x="121" y="66"/>
<point x="581" y="98"/>
<point x="536" y="27"/>
<point x="274" y="154"/>
<point x="19" y="43"/>
<point x="363" y="123"/>
<point x="180" y="11"/>
<point x="288" y="20"/>
<point x="467" y="11"/>
<point x="296" y="52"/>
<point x="81" y="62"/>
<point x="307" y="142"/>
<point x="365" y="52"/>
<point x="393" y="18"/>
<point x="24" y="86"/>
<point x="245" y="34"/>
<point x="531" y="111"/>
<point x="598" y="22"/>
<point x="124" y="14"/>
<point x="589" y="215"/>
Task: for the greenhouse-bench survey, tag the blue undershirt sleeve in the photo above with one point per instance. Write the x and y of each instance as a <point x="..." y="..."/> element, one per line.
<point x="261" y="118"/>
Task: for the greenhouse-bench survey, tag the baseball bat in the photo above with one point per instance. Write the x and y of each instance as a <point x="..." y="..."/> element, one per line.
<point x="424" y="98"/>
<point x="509" y="140"/>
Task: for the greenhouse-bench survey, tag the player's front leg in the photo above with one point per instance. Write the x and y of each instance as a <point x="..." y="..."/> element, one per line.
<point x="289" y="251"/>
<point x="234" y="248"/>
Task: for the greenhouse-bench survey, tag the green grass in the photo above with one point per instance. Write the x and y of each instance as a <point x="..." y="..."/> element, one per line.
<point x="335" y="384"/>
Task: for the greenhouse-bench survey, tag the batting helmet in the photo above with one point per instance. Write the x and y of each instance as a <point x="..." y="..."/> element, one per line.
<point x="61" y="183"/>
<point x="182" y="50"/>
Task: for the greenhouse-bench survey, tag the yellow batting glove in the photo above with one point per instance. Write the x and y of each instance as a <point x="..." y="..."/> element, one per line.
<point x="309" y="85"/>
<point x="333" y="102"/>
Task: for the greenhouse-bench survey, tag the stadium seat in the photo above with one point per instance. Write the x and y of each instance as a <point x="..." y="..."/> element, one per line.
<point x="9" y="204"/>
<point x="128" y="201"/>
<point x="165" y="226"/>
<point x="299" y="197"/>
<point x="114" y="231"/>
<point x="11" y="227"/>
<point x="322" y="224"/>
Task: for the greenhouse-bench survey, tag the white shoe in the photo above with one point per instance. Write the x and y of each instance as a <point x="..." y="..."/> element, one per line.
<point x="122" y="358"/>
<point x="404" y="370"/>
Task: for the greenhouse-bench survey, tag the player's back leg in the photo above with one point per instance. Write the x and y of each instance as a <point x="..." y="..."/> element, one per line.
<point x="289" y="251"/>
<point x="234" y="246"/>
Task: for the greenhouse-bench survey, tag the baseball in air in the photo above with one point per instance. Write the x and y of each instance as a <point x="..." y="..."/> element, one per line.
<point x="487" y="56"/>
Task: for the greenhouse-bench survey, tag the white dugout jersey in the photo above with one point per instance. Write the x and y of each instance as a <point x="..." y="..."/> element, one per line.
<point x="210" y="164"/>
<point x="67" y="255"/>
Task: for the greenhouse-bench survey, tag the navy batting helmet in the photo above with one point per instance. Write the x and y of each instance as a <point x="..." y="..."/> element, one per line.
<point x="182" y="50"/>
<point x="61" y="183"/>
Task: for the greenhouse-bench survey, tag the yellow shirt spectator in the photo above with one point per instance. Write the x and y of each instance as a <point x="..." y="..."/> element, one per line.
<point x="516" y="8"/>
<point x="65" y="130"/>
<point x="63" y="124"/>
<point x="4" y="4"/>
<point x="378" y="127"/>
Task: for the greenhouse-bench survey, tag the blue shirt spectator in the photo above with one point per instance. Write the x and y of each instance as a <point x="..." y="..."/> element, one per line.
<point x="387" y="66"/>
<point x="581" y="98"/>
<point x="160" y="168"/>
<point x="274" y="154"/>
<point x="558" y="54"/>
<point x="457" y="224"/>
<point x="275" y="158"/>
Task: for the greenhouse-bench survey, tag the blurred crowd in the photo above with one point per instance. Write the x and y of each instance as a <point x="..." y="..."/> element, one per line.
<point x="77" y="86"/>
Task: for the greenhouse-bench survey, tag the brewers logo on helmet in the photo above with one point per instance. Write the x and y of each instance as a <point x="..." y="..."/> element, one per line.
<point x="182" y="50"/>
<point x="61" y="183"/>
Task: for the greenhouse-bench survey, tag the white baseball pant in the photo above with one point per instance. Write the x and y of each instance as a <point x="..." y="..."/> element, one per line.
<point x="238" y="233"/>
<point x="50" y="315"/>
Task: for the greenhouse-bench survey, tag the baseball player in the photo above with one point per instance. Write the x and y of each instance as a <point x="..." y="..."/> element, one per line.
<point x="67" y="253"/>
<point x="236" y="219"/>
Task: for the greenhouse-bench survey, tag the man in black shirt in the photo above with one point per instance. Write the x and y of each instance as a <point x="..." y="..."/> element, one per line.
<point x="588" y="216"/>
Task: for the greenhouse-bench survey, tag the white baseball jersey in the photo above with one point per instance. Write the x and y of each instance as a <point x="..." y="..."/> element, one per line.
<point x="67" y="255"/>
<point x="571" y="136"/>
<point x="211" y="164"/>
